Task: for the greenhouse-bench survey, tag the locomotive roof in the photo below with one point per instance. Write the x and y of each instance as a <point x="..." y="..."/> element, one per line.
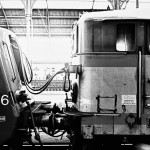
<point x="136" y="14"/>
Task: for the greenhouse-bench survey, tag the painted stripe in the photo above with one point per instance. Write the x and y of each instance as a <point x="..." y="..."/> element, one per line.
<point x="130" y="60"/>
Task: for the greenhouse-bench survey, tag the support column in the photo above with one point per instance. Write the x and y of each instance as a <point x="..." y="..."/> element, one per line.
<point x="117" y="4"/>
<point x="137" y="3"/>
<point x="28" y="4"/>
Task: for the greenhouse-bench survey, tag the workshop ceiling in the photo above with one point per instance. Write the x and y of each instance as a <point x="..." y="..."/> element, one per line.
<point x="70" y="4"/>
<point x="59" y="4"/>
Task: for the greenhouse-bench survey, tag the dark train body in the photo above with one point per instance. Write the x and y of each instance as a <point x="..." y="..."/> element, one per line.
<point x="10" y="83"/>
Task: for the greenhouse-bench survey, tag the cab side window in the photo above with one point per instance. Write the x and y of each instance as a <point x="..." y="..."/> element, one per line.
<point x="125" y="37"/>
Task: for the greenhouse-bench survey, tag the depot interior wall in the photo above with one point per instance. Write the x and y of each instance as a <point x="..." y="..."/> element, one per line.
<point x="47" y="50"/>
<point x="49" y="39"/>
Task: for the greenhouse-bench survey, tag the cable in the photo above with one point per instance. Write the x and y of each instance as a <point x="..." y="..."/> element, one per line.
<point x="37" y="136"/>
<point x="93" y="4"/>
<point x="41" y="89"/>
<point x="26" y="83"/>
<point x="67" y="77"/>
<point x="47" y="12"/>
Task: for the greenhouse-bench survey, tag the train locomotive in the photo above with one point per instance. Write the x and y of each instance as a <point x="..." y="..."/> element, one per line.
<point x="109" y="80"/>
<point x="111" y="89"/>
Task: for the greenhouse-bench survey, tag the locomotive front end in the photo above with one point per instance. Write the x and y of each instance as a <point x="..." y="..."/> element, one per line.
<point x="113" y="91"/>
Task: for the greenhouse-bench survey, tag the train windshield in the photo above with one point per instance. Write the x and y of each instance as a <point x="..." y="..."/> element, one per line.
<point x="16" y="51"/>
<point x="108" y="36"/>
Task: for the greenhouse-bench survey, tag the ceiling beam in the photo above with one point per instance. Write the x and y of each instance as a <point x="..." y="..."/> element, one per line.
<point x="28" y="5"/>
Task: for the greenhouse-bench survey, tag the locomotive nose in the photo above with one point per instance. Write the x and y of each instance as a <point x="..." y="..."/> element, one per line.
<point x="8" y="119"/>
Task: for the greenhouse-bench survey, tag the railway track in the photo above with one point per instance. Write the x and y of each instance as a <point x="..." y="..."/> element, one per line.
<point x="38" y="147"/>
<point x="65" y="146"/>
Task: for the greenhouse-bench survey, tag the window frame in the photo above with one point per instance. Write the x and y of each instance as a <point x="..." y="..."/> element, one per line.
<point x="75" y="40"/>
<point x="6" y="52"/>
<point x="113" y="24"/>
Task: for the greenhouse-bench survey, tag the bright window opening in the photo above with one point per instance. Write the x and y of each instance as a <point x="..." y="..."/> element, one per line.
<point x="125" y="37"/>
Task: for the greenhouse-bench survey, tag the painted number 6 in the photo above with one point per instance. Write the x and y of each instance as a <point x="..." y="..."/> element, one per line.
<point x="4" y="100"/>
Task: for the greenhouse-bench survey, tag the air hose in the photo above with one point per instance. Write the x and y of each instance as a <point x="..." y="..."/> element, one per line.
<point x="67" y="79"/>
<point x="41" y="89"/>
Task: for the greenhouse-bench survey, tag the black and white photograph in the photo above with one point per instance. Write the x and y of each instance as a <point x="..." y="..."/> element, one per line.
<point x="74" y="74"/>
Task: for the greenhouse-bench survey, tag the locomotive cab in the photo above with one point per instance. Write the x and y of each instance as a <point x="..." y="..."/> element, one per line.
<point x="114" y="88"/>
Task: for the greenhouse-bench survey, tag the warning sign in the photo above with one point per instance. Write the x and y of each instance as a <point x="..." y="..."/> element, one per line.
<point x="128" y="99"/>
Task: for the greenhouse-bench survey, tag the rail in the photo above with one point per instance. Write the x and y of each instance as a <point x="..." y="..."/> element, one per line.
<point x="56" y="85"/>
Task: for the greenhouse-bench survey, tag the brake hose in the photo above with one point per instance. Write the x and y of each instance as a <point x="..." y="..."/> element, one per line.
<point x="41" y="89"/>
<point x="67" y="77"/>
<point x="38" y="91"/>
